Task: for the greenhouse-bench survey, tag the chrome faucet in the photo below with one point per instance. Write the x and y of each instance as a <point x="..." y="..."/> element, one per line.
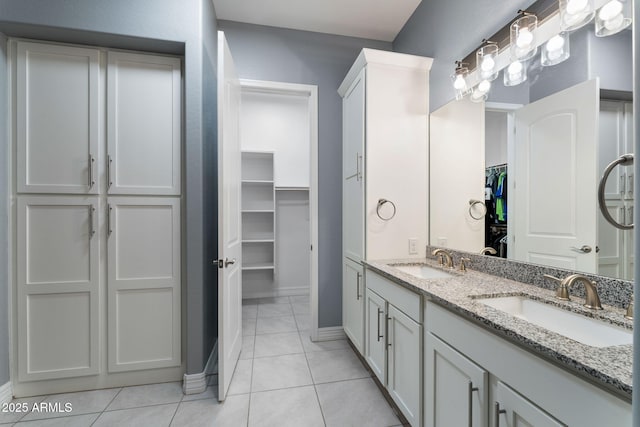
<point x="488" y="250"/>
<point x="592" y="300"/>
<point x="445" y="258"/>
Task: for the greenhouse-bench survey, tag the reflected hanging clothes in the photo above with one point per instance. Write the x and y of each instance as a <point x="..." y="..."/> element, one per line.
<point x="501" y="198"/>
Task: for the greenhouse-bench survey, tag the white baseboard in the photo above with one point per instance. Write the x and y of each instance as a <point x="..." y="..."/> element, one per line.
<point x="283" y="292"/>
<point x="332" y="333"/>
<point x="6" y="393"/>
<point x="197" y="383"/>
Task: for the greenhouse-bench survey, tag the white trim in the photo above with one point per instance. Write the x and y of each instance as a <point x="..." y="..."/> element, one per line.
<point x="310" y="91"/>
<point x="6" y="393"/>
<point x="194" y="384"/>
<point x="304" y="290"/>
<point x="330" y="334"/>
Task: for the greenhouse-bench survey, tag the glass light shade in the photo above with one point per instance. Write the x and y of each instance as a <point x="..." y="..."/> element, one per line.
<point x="555" y="50"/>
<point x="459" y="81"/>
<point x="486" y="61"/>
<point x="515" y="73"/>
<point x="575" y="14"/>
<point x="522" y="37"/>
<point x="613" y="17"/>
<point x="478" y="96"/>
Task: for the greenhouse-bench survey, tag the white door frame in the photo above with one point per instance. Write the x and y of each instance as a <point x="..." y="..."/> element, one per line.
<point x="311" y="92"/>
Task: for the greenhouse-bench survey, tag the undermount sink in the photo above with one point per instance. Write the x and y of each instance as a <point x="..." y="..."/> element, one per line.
<point x="580" y="328"/>
<point x="422" y="271"/>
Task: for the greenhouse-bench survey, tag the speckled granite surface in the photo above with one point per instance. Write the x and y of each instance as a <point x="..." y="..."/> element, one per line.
<point x="607" y="367"/>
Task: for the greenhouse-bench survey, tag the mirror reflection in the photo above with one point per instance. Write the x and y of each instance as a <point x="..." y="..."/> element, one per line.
<point x="545" y="146"/>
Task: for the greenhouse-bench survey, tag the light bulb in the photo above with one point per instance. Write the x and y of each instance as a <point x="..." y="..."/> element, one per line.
<point x="459" y="83"/>
<point x="477" y="96"/>
<point x="614" y="23"/>
<point x="555" y="43"/>
<point x="525" y="38"/>
<point x="484" y="86"/>
<point x="515" y="69"/>
<point x="610" y="10"/>
<point x="487" y="63"/>
<point x="576" y="6"/>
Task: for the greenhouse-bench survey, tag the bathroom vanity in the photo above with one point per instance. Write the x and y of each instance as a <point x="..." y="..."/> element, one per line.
<point x="467" y="348"/>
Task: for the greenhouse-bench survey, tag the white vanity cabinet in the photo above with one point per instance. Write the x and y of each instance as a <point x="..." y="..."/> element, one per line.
<point x="393" y="342"/>
<point x="523" y="390"/>
<point x="353" y="302"/>
<point x="385" y="130"/>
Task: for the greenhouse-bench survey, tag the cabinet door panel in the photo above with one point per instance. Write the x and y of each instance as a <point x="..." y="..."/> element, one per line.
<point x="143" y="124"/>
<point x="57" y="287"/>
<point x="375" y="344"/>
<point x="353" y="303"/>
<point x="353" y="106"/>
<point x="57" y="119"/>
<point x="519" y="412"/>
<point x="404" y="373"/>
<point x="144" y="283"/>
<point x="456" y="388"/>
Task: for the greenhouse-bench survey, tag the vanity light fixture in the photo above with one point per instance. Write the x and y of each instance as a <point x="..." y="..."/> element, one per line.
<point x="459" y="79"/>
<point x="515" y="73"/>
<point x="613" y="17"/>
<point x="486" y="60"/>
<point x="575" y="14"/>
<point x="522" y="36"/>
<point x="555" y="50"/>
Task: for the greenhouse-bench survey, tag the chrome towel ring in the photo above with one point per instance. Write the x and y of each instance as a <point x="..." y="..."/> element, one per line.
<point x="474" y="202"/>
<point x="624" y="160"/>
<point x="381" y="203"/>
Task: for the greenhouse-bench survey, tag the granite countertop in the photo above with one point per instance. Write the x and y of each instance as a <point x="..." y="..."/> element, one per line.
<point x="607" y="367"/>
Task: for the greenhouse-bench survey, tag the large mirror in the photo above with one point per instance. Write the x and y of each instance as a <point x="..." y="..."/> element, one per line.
<point x="519" y="173"/>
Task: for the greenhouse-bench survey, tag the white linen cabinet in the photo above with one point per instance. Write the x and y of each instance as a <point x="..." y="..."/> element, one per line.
<point x="385" y="103"/>
<point x="98" y="280"/>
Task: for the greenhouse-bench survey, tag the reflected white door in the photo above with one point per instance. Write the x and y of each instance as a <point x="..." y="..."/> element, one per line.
<point x="556" y="179"/>
<point x="229" y="223"/>
<point x="456" y="161"/>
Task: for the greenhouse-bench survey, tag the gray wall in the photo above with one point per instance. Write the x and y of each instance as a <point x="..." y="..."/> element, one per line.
<point x="448" y="31"/>
<point x="156" y="25"/>
<point x="267" y="53"/>
<point x="4" y="220"/>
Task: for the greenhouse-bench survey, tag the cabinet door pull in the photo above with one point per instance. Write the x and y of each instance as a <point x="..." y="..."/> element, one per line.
<point x="387" y="328"/>
<point x="497" y="414"/>
<point x="109" y="209"/>
<point x="91" y="162"/>
<point x="109" y="161"/>
<point x="358" y="286"/>
<point x="379" y="313"/>
<point x="470" y="395"/>
<point x="92" y="228"/>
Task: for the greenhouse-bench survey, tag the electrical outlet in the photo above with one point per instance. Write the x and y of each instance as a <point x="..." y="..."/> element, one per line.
<point x="413" y="246"/>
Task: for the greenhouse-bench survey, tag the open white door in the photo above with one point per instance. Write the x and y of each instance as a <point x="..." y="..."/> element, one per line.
<point x="556" y="180"/>
<point x="456" y="162"/>
<point x="229" y="222"/>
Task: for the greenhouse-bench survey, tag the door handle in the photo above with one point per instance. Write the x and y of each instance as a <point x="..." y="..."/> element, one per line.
<point x="497" y="414"/>
<point x="358" y="286"/>
<point x="92" y="228"/>
<point x="584" y="249"/>
<point x="379" y="313"/>
<point x="470" y="395"/>
<point x="109" y="161"/>
<point x="92" y="160"/>
<point x="222" y="263"/>
<point x="228" y="262"/>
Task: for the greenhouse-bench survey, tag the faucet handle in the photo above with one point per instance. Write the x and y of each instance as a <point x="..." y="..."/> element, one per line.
<point x="463" y="260"/>
<point x="629" y="314"/>
<point x="562" y="292"/>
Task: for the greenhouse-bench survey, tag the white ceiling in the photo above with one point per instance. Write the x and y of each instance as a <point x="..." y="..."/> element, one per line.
<point x="372" y="19"/>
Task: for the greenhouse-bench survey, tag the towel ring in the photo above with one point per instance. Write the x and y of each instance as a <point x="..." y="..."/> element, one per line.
<point x="474" y="202"/>
<point x="624" y="160"/>
<point x="381" y="203"/>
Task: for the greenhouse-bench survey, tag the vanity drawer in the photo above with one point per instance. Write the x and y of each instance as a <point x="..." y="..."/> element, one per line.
<point x="408" y="302"/>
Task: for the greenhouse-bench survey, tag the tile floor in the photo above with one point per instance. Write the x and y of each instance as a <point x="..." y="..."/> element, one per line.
<point x="282" y="379"/>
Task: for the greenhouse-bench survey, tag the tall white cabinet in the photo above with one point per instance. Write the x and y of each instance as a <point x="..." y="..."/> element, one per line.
<point x="97" y="245"/>
<point x="385" y="181"/>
